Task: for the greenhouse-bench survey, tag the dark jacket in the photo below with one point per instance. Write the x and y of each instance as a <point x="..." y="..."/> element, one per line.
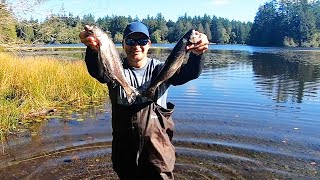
<point x="189" y="71"/>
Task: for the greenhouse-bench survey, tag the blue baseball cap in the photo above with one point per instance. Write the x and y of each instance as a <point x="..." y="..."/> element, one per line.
<point x="135" y="27"/>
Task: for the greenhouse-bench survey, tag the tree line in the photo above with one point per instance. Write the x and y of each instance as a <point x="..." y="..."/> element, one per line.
<point x="277" y="23"/>
<point x="287" y="23"/>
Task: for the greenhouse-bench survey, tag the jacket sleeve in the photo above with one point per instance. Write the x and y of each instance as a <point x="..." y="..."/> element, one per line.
<point x="94" y="66"/>
<point x="189" y="71"/>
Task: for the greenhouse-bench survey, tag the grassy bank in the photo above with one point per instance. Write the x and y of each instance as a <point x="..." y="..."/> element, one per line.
<point x="31" y="84"/>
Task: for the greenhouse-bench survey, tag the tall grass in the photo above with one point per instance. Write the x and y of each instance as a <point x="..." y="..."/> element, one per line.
<point x="31" y="84"/>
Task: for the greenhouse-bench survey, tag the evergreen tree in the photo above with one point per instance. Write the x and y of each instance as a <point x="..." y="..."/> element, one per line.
<point x="7" y="25"/>
<point x="214" y="29"/>
<point x="104" y="23"/>
<point x="200" y="28"/>
<point x="118" y="24"/>
<point x="88" y="19"/>
<point x="316" y="10"/>
<point x="161" y="27"/>
<point x="207" y="31"/>
<point x="151" y="23"/>
<point x="264" y="27"/>
<point x="305" y="22"/>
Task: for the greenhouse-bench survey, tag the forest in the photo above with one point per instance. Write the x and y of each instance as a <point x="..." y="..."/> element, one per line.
<point x="289" y="23"/>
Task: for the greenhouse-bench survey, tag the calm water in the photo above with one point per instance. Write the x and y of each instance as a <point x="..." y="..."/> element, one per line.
<point x="259" y="95"/>
<point x="252" y="114"/>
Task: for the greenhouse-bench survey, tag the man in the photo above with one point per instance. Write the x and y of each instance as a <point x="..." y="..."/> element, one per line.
<point x="142" y="132"/>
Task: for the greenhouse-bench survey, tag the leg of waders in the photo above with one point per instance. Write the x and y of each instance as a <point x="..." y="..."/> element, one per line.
<point x="157" y="154"/>
<point x="125" y="143"/>
<point x="124" y="154"/>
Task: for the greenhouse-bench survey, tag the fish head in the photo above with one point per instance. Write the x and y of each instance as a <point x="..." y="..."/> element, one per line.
<point x="101" y="36"/>
<point x="94" y="30"/>
<point x="97" y="32"/>
<point x="194" y="38"/>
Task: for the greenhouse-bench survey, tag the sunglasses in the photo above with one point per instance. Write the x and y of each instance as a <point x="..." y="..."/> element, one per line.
<point x="140" y="42"/>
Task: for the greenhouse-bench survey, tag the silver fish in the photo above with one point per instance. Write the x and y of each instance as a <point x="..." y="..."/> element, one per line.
<point x="112" y="64"/>
<point x="172" y="63"/>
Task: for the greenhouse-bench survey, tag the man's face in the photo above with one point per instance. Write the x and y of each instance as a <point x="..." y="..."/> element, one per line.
<point x="134" y="51"/>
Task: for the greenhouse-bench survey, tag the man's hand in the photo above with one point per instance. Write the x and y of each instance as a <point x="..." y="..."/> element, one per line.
<point x="88" y="39"/>
<point x="201" y="46"/>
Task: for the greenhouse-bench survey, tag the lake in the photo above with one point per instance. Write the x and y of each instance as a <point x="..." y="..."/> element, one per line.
<point x="252" y="114"/>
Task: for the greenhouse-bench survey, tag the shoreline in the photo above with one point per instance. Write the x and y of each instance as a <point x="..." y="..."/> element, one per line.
<point x="62" y="149"/>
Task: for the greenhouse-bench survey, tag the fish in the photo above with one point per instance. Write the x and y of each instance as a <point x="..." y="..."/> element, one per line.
<point x="112" y="63"/>
<point x="172" y="63"/>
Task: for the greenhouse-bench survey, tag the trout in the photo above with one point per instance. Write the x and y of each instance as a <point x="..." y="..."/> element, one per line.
<point x="112" y="64"/>
<point x="172" y="63"/>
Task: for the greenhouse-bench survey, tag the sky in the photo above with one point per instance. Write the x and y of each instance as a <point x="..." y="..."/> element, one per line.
<point x="241" y="10"/>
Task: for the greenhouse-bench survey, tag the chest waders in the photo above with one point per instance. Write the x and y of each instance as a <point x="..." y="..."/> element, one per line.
<point x="141" y="145"/>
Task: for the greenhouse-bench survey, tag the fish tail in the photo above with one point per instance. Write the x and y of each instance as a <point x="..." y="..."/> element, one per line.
<point x="133" y="95"/>
<point x="149" y="94"/>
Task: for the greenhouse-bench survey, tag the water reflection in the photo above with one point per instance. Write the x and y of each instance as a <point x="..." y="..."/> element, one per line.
<point x="286" y="78"/>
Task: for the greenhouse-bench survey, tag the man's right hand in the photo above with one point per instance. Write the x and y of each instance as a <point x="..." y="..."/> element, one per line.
<point x="88" y="39"/>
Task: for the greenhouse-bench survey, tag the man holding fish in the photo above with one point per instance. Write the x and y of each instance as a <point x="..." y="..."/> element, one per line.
<point x="138" y="87"/>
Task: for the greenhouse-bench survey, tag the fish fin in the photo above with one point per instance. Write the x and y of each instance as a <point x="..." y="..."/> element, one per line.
<point x="136" y="92"/>
<point x="140" y="90"/>
<point x="133" y="96"/>
<point x="131" y="99"/>
<point x="142" y="94"/>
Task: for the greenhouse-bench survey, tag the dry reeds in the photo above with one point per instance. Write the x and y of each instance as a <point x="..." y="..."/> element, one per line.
<point x="34" y="83"/>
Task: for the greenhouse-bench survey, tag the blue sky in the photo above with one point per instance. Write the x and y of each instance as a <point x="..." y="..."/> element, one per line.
<point x="242" y="10"/>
